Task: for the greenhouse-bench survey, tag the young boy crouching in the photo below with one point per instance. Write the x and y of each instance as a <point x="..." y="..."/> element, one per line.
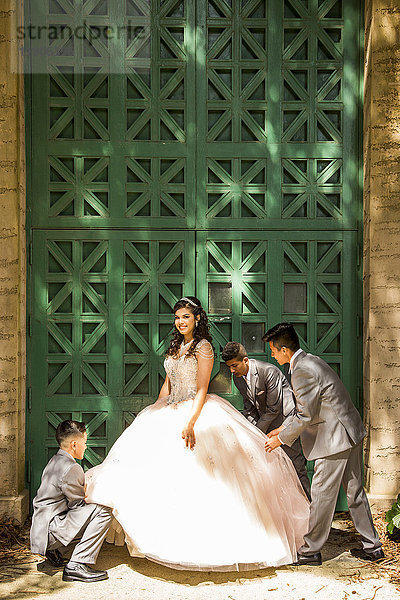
<point x="62" y="520"/>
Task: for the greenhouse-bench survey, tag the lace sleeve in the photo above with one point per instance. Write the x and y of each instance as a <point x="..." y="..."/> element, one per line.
<point x="204" y="350"/>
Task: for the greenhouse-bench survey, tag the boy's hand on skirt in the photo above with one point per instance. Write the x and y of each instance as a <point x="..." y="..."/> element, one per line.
<point x="272" y="443"/>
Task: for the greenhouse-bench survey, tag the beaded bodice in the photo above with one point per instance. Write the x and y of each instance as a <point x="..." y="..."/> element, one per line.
<point x="182" y="371"/>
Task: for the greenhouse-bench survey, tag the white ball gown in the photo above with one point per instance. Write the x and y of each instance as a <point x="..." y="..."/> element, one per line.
<point x="226" y="505"/>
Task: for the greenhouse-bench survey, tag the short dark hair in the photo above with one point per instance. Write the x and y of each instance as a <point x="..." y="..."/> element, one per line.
<point x="233" y="350"/>
<point x="68" y="429"/>
<point x="283" y="334"/>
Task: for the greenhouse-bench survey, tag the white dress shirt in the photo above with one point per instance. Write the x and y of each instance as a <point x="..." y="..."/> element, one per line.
<point x="292" y="359"/>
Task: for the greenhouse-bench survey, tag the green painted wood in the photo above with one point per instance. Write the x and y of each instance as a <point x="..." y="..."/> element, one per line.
<point x="267" y="273"/>
<point x="102" y="318"/>
<point x="213" y="148"/>
<point x="276" y="77"/>
<point x="115" y="127"/>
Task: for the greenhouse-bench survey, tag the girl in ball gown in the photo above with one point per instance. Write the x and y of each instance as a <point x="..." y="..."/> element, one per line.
<point x="190" y="482"/>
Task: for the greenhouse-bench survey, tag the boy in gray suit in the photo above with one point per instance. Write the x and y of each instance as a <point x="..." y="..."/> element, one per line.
<point x="61" y="517"/>
<point x="267" y="399"/>
<point x="331" y="433"/>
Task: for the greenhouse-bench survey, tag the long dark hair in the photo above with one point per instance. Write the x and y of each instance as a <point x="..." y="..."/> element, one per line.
<point x="200" y="332"/>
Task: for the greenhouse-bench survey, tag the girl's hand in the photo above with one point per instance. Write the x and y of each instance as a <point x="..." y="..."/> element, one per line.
<point x="189" y="437"/>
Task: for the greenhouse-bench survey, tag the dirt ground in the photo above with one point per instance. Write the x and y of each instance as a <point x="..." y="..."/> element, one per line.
<point x="341" y="577"/>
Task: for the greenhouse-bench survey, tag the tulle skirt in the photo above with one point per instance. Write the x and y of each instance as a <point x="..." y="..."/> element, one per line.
<point x="226" y="505"/>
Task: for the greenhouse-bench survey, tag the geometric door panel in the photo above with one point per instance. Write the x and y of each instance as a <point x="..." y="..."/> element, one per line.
<point x="114" y="106"/>
<point x="82" y="189"/>
<point x="236" y="188"/>
<point x="232" y="283"/>
<point x="100" y="326"/>
<point x="312" y="108"/>
<point x="312" y="188"/>
<point x="307" y="278"/>
<point x="276" y="138"/>
<point x="250" y="284"/>
<point x="233" y="115"/>
<point x="77" y="298"/>
<point x="206" y="147"/>
<point x="319" y="295"/>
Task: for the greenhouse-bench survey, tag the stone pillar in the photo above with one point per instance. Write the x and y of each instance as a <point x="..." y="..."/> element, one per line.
<point x="382" y="250"/>
<point x="13" y="496"/>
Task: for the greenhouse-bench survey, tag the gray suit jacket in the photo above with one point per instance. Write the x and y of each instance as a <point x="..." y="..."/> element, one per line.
<point x="269" y="399"/>
<point x="61" y="490"/>
<point x="325" y="419"/>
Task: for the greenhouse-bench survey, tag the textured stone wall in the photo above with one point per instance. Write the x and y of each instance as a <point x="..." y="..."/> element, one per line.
<point x="13" y="497"/>
<point x="382" y="249"/>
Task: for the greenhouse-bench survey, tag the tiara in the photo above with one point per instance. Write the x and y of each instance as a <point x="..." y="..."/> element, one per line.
<point x="190" y="301"/>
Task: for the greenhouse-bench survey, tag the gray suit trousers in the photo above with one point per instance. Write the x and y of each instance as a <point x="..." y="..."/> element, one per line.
<point x="343" y="468"/>
<point x="300" y="464"/>
<point x="90" y="537"/>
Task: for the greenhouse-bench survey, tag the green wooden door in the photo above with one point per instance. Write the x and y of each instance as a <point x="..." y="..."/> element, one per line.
<point x="207" y="147"/>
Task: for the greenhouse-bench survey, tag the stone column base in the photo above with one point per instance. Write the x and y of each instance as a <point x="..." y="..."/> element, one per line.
<point x="15" y="507"/>
<point x="379" y="502"/>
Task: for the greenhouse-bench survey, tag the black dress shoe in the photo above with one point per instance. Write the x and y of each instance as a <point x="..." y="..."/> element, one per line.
<point x="363" y="555"/>
<point x="74" y="571"/>
<point x="55" y="558"/>
<point x="308" y="559"/>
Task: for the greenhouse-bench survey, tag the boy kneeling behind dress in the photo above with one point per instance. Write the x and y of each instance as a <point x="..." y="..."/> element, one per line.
<point x="61" y="518"/>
